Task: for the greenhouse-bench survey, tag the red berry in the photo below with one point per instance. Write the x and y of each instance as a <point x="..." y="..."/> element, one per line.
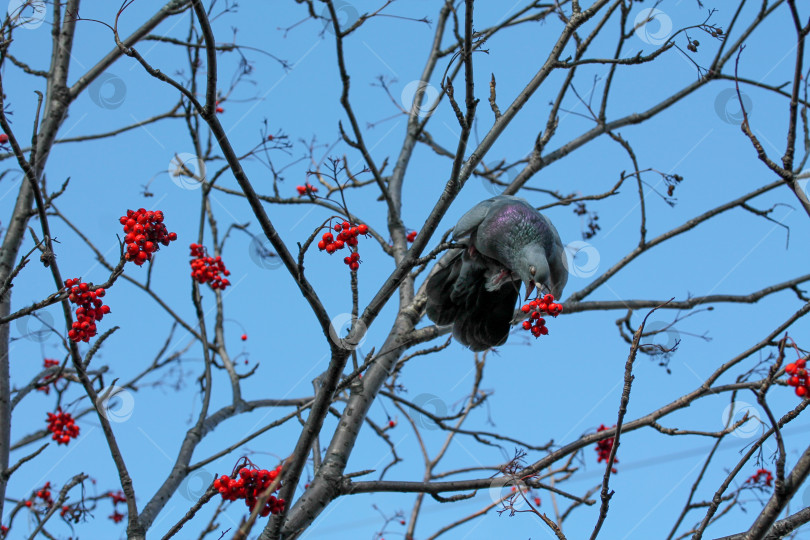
<point x="362" y="228"/>
<point x="354" y="265"/>
<point x="244" y="337"/>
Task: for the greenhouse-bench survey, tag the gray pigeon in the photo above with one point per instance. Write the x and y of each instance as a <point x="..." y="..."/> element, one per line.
<point x="508" y="243"/>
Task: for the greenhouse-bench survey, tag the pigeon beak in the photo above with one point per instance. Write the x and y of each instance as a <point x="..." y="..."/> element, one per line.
<point x="530" y="287"/>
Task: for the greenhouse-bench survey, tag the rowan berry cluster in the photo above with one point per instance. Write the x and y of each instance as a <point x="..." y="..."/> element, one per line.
<point x="117" y="497"/>
<point x="249" y="485"/>
<point x="63" y="427"/>
<point x="762" y="476"/>
<point x="145" y="230"/>
<point x="346" y="236"/>
<point x="205" y="269"/>
<point x="46" y="381"/>
<point x="536" y="308"/>
<point x="71" y="513"/>
<point x="45" y="494"/>
<point x="604" y="447"/>
<point x="411" y="236"/>
<point x="798" y="377"/>
<point x="306" y="188"/>
<point x="90" y="310"/>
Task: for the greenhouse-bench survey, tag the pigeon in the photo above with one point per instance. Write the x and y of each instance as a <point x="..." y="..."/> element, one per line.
<point x="506" y="243"/>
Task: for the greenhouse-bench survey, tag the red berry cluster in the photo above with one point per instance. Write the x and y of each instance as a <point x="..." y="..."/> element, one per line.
<point x="248" y="485"/>
<point x="62" y="426"/>
<point x="45" y="494"/>
<point x="90" y="309"/>
<point x="145" y="230"/>
<point x="604" y="447"/>
<point x="762" y="476"/>
<point x="46" y="381"/>
<point x="205" y="269"/>
<point x="346" y="236"/>
<point x="411" y="236"/>
<point x="117" y="497"/>
<point x="798" y="377"/>
<point x="306" y="188"/>
<point x="537" y="324"/>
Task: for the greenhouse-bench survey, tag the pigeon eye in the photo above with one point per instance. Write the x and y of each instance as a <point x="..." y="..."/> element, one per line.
<point x="532" y="269"/>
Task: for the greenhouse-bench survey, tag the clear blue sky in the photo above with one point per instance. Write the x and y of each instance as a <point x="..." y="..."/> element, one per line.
<point x="556" y="388"/>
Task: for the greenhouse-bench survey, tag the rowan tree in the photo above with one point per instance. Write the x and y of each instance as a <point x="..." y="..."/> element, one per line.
<point x="217" y="224"/>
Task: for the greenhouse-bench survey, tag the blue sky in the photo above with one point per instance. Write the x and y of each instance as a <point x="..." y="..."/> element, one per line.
<point x="556" y="388"/>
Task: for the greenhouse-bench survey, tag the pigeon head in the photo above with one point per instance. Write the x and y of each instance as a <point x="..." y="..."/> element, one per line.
<point x="531" y="266"/>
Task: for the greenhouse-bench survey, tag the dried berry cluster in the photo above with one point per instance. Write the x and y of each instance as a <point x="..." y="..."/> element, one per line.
<point x="347" y="236"/>
<point x="145" y="230"/>
<point x="798" y="377"/>
<point x="542" y="306"/>
<point x="604" y="447"/>
<point x="306" y="188"/>
<point x="63" y="427"/>
<point x="90" y="309"/>
<point x="205" y="269"/>
<point x="249" y="485"/>
<point x="762" y="476"/>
